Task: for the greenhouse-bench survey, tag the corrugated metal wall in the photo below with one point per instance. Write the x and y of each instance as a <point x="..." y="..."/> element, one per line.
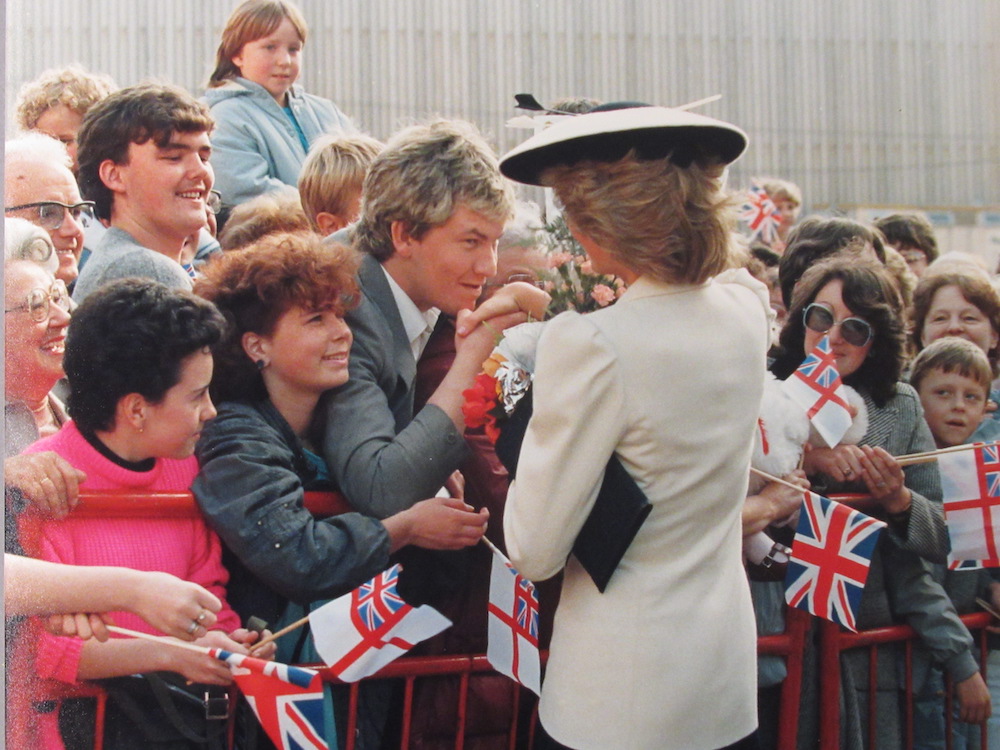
<point x="872" y="102"/>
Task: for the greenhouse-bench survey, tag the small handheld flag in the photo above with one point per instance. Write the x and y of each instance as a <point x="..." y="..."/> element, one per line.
<point x="287" y="700"/>
<point x="970" y="484"/>
<point x="761" y="215"/>
<point x="513" y="624"/>
<point x="830" y="559"/>
<point x="816" y="387"/>
<point x="359" y="633"/>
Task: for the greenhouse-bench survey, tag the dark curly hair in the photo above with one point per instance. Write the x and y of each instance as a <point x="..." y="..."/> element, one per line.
<point x="869" y="293"/>
<point x="255" y="286"/>
<point x="132" y="336"/>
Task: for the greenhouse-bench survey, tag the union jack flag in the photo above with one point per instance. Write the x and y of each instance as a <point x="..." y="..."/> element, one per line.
<point x="970" y="484"/>
<point x="359" y="633"/>
<point x="816" y="387"/>
<point x="761" y="214"/>
<point x="830" y="559"/>
<point x="512" y="624"/>
<point x="377" y="601"/>
<point x="287" y="700"/>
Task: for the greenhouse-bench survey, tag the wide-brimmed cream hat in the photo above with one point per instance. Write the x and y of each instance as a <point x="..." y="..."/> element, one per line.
<point x="607" y="134"/>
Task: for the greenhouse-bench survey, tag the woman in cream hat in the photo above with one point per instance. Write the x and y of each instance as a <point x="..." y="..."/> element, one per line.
<point x="668" y="380"/>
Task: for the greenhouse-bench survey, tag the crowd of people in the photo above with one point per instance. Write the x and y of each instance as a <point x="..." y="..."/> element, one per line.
<point x="245" y="297"/>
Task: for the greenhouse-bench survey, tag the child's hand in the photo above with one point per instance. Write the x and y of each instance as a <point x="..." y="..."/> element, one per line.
<point x="973" y="700"/>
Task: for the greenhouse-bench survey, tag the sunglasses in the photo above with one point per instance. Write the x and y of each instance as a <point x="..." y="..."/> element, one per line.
<point x="38" y="302"/>
<point x="50" y="215"/>
<point x="855" y="331"/>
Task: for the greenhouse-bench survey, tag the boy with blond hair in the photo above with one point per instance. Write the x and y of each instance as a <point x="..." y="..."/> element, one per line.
<point x="331" y="179"/>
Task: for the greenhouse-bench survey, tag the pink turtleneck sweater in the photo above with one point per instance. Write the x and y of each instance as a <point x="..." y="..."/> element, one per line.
<point x="187" y="548"/>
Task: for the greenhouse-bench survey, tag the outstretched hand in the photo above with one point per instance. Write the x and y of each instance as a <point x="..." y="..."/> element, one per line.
<point x="437" y="523"/>
<point x="46" y="480"/>
<point x="517" y="297"/>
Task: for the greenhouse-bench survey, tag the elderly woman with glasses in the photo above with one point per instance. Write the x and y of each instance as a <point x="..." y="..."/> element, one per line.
<point x="36" y="314"/>
<point x="855" y="303"/>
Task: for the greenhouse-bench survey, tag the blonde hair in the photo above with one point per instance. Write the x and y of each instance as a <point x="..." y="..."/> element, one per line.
<point x="252" y="20"/>
<point x="776" y="187"/>
<point x="421" y="177"/>
<point x="672" y="223"/>
<point x="71" y="86"/>
<point x="333" y="172"/>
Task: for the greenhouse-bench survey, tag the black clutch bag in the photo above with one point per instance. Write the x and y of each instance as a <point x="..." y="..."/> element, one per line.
<point x="619" y="511"/>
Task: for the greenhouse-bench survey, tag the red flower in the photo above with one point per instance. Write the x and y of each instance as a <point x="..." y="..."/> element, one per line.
<point x="480" y="401"/>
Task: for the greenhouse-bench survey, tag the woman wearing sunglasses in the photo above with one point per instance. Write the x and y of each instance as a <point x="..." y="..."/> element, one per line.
<point x="856" y="304"/>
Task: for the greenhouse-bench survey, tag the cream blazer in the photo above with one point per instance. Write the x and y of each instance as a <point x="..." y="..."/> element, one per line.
<point x="669" y="379"/>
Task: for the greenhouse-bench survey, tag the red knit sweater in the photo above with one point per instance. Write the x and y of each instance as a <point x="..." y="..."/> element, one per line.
<point x="187" y="548"/>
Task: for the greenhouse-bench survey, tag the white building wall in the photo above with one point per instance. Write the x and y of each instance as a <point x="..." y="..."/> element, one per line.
<point x="870" y="102"/>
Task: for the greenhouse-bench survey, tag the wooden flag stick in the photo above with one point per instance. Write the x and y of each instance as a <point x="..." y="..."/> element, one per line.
<point x="490" y="544"/>
<point x="158" y="639"/>
<point x="913" y="458"/>
<point x="772" y="478"/>
<point x="275" y="636"/>
<point x="988" y="607"/>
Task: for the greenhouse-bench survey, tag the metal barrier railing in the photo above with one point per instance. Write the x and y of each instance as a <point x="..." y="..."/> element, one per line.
<point x="791" y="644"/>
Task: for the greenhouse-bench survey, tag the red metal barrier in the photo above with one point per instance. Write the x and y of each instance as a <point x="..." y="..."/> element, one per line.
<point x="834" y="641"/>
<point x="791" y="644"/>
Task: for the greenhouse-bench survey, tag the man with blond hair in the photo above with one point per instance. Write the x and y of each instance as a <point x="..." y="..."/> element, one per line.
<point x="434" y="206"/>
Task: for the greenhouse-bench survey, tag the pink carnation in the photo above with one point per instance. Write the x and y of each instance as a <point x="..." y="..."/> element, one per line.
<point x="587" y="267"/>
<point x="603" y="294"/>
<point x="556" y="260"/>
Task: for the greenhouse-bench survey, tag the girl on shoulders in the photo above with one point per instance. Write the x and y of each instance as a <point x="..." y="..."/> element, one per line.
<point x="265" y="123"/>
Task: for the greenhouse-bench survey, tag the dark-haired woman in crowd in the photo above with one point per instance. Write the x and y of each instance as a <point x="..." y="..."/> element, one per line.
<point x="285" y="297"/>
<point x="856" y="303"/>
<point x="961" y="303"/>
<point x="139" y="365"/>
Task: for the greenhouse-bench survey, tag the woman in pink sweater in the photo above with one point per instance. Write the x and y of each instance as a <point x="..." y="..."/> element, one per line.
<point x="138" y="363"/>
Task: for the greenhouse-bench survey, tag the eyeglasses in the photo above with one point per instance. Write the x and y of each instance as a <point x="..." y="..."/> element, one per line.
<point x="214" y="201"/>
<point x="52" y="214"/>
<point x="38" y="302"/>
<point x="819" y="318"/>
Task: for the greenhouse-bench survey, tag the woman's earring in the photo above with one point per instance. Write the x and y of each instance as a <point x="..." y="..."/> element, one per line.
<point x="261" y="364"/>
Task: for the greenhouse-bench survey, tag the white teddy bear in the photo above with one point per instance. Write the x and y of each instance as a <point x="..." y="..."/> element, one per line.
<point x="783" y="430"/>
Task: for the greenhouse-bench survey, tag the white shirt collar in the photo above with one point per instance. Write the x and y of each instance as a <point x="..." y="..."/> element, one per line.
<point x="418" y="325"/>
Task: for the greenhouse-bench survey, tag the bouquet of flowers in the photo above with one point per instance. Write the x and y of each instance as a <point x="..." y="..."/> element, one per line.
<point x="506" y="376"/>
<point x="570" y="278"/>
<point x="505" y="379"/>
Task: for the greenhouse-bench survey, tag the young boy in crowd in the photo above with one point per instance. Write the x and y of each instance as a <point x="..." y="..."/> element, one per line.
<point x="952" y="377"/>
<point x="331" y="179"/>
<point x="143" y="159"/>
